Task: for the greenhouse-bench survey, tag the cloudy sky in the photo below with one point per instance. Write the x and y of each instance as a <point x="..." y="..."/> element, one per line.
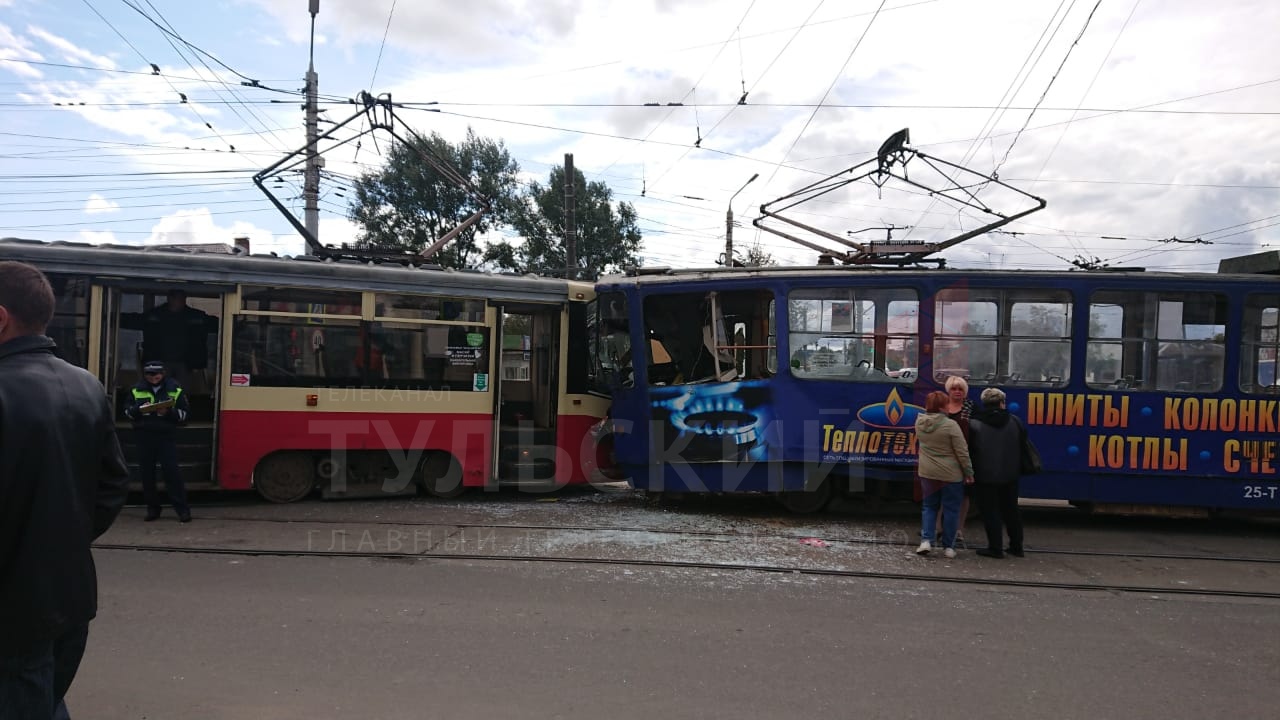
<point x="1148" y="126"/>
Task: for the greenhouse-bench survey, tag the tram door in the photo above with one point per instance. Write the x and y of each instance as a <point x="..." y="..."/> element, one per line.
<point x="108" y="348"/>
<point x="526" y="391"/>
<point x="144" y="324"/>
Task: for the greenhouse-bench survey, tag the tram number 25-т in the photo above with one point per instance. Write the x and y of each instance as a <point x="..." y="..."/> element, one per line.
<point x="1260" y="492"/>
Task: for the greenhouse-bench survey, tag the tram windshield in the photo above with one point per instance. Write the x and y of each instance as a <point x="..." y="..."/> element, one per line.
<point x="710" y="337"/>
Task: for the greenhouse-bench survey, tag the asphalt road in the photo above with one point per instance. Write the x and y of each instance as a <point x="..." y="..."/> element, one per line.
<point x="192" y="636"/>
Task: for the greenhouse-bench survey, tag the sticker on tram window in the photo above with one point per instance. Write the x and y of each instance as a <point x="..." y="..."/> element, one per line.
<point x="475" y="340"/>
<point x="480" y="382"/>
<point x="315" y="309"/>
<point x="239" y="380"/>
<point x="463" y="356"/>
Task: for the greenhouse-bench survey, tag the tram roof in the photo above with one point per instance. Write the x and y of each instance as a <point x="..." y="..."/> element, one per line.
<point x="664" y="275"/>
<point x="174" y="265"/>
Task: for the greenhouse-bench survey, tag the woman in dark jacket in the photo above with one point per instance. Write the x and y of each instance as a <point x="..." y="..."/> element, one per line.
<point x="996" y="440"/>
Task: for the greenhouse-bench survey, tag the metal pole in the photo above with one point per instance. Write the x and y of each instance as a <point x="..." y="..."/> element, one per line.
<point x="728" y="224"/>
<point x="311" y="178"/>
<point x="728" y="236"/>
<point x="570" y="219"/>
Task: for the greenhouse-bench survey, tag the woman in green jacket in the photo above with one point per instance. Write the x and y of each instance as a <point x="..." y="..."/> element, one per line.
<point x="944" y="469"/>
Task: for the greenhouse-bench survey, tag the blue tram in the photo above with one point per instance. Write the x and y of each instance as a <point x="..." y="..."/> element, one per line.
<point x="1138" y="388"/>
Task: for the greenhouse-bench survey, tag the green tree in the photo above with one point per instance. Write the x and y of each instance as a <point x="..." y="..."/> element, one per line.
<point x="607" y="236"/>
<point x="408" y="204"/>
<point x="757" y="256"/>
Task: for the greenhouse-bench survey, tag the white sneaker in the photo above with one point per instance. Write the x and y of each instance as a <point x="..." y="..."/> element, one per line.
<point x="949" y="553"/>
<point x="924" y="548"/>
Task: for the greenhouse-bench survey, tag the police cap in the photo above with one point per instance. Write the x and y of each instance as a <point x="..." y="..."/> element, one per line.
<point x="153" y="366"/>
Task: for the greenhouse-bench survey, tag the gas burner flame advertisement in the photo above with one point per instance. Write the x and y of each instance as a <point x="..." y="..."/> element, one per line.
<point x="715" y="422"/>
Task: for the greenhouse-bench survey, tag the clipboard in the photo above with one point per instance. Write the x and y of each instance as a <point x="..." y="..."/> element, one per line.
<point x="156" y="406"/>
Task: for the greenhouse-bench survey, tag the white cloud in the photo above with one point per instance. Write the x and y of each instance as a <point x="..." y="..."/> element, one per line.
<point x="98" y="237"/>
<point x="333" y="231"/>
<point x="70" y="51"/>
<point x="15" y="47"/>
<point x="480" y="31"/>
<point x="99" y="204"/>
<point x="541" y="70"/>
<point x="203" y="133"/>
<point x="198" y="226"/>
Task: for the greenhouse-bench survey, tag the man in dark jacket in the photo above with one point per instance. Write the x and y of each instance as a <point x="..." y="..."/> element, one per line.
<point x="175" y="334"/>
<point x="63" y="480"/>
<point x="159" y="406"/>
<point x="995" y="444"/>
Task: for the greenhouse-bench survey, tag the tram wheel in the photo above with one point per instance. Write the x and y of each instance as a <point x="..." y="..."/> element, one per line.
<point x="285" y="477"/>
<point x="805" y="502"/>
<point x="440" y="476"/>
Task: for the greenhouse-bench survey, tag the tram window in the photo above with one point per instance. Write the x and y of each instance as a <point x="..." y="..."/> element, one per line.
<point x="609" y="337"/>
<point x="966" y="334"/>
<point x="303" y="301"/>
<point x="69" y="327"/>
<point x="427" y="307"/>
<point x="855" y="335"/>
<point x="579" y="375"/>
<point x="1106" y="351"/>
<point x="1039" y="343"/>
<point x="1174" y="342"/>
<point x="1261" y="344"/>
<point x="709" y="337"/>
<point x="417" y="355"/>
<point x="296" y="351"/>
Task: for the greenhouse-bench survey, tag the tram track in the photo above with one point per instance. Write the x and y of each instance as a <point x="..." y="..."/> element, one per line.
<point x="713" y="534"/>
<point x="1114" y="588"/>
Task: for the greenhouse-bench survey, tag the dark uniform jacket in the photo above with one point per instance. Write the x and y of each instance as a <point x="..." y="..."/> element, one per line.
<point x="144" y="393"/>
<point x="174" y="337"/>
<point x="995" y="443"/>
<point x="63" y="480"/>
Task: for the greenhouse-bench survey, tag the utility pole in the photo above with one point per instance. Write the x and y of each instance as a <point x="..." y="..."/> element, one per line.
<point x="570" y="219"/>
<point x="728" y="224"/>
<point x="311" y="178"/>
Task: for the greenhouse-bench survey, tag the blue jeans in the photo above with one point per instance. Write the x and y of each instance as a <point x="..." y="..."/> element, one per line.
<point x="949" y="499"/>
<point x="34" y="680"/>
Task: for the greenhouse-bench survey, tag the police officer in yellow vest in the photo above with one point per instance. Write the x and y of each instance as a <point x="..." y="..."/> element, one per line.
<point x="158" y="407"/>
